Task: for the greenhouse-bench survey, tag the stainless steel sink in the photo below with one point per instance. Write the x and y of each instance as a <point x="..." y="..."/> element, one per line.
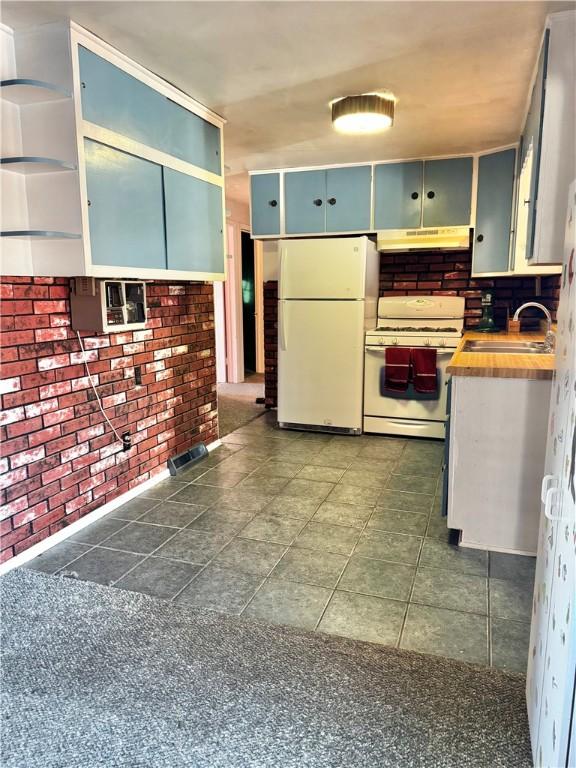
<point x="508" y="347"/>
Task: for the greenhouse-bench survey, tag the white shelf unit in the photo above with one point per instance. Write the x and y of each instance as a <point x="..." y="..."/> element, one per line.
<point x="45" y="222"/>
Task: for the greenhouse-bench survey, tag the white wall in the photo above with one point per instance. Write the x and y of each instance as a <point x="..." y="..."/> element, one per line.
<point x="270" y="260"/>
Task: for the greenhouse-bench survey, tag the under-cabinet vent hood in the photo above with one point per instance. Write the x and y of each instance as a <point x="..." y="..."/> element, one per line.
<point x="418" y="239"/>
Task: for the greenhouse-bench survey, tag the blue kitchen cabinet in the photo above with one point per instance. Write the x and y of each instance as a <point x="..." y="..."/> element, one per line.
<point x="348" y="199"/>
<point x="265" y="203"/>
<point x="532" y="141"/>
<point x="494" y="212"/>
<point x="194" y="236"/>
<point x="447" y="197"/>
<point x="113" y="99"/>
<point x="305" y="197"/>
<point x="398" y="195"/>
<point x="126" y="210"/>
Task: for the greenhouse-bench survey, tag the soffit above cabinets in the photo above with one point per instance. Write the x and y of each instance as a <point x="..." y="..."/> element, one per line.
<point x="460" y="70"/>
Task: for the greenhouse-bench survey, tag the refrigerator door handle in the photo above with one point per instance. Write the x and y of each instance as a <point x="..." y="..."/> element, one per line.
<point x="547" y="481"/>
<point x="551" y="494"/>
<point x="281" y="269"/>
<point x="282" y="326"/>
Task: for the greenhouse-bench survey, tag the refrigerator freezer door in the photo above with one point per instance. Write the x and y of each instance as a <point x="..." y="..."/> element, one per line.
<point x="320" y="360"/>
<point x="333" y="268"/>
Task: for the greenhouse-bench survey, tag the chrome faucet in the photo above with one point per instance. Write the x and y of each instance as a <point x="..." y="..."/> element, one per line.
<point x="550" y="338"/>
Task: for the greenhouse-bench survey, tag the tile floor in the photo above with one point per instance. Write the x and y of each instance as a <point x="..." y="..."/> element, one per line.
<point x="334" y="534"/>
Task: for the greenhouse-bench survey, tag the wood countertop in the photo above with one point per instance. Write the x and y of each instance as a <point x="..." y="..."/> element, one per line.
<point x="500" y="365"/>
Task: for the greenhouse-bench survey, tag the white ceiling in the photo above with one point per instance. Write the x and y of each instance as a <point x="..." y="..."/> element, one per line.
<point x="460" y="70"/>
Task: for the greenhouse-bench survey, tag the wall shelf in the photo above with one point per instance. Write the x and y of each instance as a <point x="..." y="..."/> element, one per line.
<point x="24" y="90"/>
<point x="27" y="234"/>
<point x="27" y="165"/>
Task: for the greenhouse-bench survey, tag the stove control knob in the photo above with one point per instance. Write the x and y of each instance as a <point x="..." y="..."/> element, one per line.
<point x="395" y="341"/>
<point x="442" y="342"/>
<point x="427" y="343"/>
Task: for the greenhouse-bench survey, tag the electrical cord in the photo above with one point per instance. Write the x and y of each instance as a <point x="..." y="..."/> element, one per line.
<point x="122" y="438"/>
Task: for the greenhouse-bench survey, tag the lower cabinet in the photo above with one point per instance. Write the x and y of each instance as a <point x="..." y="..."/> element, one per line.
<point x="494" y="212"/>
<point x="126" y="215"/>
<point x="194" y="237"/>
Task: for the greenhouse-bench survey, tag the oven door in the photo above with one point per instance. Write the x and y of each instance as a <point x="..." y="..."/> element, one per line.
<point x="404" y="405"/>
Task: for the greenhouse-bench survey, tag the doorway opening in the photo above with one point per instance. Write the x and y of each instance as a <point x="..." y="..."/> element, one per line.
<point x="248" y="304"/>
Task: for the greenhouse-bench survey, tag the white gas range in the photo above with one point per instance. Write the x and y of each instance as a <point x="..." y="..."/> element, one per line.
<point x="434" y="322"/>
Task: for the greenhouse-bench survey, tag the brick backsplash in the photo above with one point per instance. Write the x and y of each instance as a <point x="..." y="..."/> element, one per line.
<point x="437" y="273"/>
<point x="59" y="459"/>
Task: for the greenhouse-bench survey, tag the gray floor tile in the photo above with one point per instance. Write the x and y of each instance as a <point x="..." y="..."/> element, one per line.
<point x="424" y="466"/>
<point x="328" y="538"/>
<point x="242" y="462"/>
<point x="384" y="448"/>
<point x="247" y="556"/>
<point x="510" y="599"/>
<point x="310" y="567"/>
<point x="220" y="589"/>
<point x="57" y="557"/>
<point x="326" y="474"/>
<point x="193" y="546"/>
<point x="202" y="495"/>
<point x="395" y="521"/>
<point x="140" y="538"/>
<point x="364" y="478"/>
<point x="396" y="547"/>
<point x="104" y="566"/>
<point x="457" y="635"/>
<point x="264" y="484"/>
<point x="377" y="577"/>
<point x="448" y="589"/>
<point x="380" y="466"/>
<point x="172" y="514"/>
<point x="221" y="476"/>
<point x="288" y="506"/>
<point x="134" y="508"/>
<point x="513" y="567"/>
<point x="413" y="483"/>
<point x="158" y="577"/>
<point x="283" y="602"/>
<point x="165" y="488"/>
<point x="364" y="617"/>
<point x="192" y="472"/>
<point x="353" y="494"/>
<point x="439" y="554"/>
<point x="307" y="489"/>
<point x="437" y="527"/>
<point x="99" y="530"/>
<point x="342" y="514"/>
<point x="330" y="460"/>
<point x="510" y="645"/>
<point x="244" y="500"/>
<point x="226" y="522"/>
<point x="269" y="527"/>
<point x="406" y="501"/>
<point x="287" y="469"/>
<point x="424" y="449"/>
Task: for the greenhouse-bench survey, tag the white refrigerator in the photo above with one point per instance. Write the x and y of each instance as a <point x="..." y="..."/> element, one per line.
<point x="551" y="678"/>
<point x="328" y="296"/>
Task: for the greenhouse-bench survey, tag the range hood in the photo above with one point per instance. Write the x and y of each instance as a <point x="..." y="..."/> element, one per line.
<point x="419" y="239"/>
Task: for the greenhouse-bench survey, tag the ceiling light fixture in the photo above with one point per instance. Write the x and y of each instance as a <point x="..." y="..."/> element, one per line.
<point x="365" y="113"/>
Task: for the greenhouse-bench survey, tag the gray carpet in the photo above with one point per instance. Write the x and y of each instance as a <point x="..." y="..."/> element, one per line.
<point x="94" y="676"/>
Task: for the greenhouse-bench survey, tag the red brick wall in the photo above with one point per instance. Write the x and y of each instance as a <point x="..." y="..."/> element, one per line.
<point x="59" y="459"/>
<point x="429" y="272"/>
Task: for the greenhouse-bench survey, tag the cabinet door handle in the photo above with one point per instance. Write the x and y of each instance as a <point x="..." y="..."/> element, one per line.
<point x="273" y="203"/>
<point x="414" y="195"/>
<point x="332" y="201"/>
<point x="480" y="238"/>
<point x="430" y="195"/>
<point x="318" y="202"/>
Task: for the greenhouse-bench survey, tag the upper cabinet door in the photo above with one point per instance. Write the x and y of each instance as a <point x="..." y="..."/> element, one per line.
<point x="494" y="212"/>
<point x="398" y="195"/>
<point x="115" y="100"/>
<point x="305" y="202"/>
<point x="194" y="237"/>
<point x="447" y="192"/>
<point x="348" y="199"/>
<point x="265" y="203"/>
<point x="125" y="208"/>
